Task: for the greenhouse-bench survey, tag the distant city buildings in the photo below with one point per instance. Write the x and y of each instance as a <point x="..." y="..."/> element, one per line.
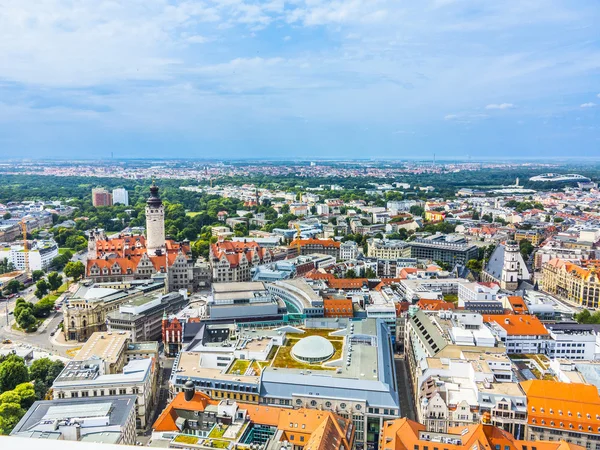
<point x="101" y="197"/>
<point x="120" y="196"/>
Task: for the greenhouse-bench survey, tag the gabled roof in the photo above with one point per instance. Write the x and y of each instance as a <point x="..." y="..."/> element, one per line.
<point x="313" y="241"/>
<point x="403" y="434"/>
<point x="518" y="325"/>
<point x="570" y="404"/>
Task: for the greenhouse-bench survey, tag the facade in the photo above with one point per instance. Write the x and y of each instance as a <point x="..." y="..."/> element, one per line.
<point x="480" y="298"/>
<point x="404" y="434"/>
<point x="348" y="250"/>
<point x="510" y="271"/>
<point x="312" y="245"/>
<point x="519" y="333"/>
<point x="572" y="282"/>
<point x="120" y="196"/>
<point x="40" y="254"/>
<point x="101" y="197"/>
<point x="85" y="312"/>
<point x="563" y="411"/>
<point x="298" y="296"/>
<point x="384" y="249"/>
<point x="533" y="236"/>
<point x="101" y="369"/>
<point x="142" y="317"/>
<point x="506" y="266"/>
<point x="110" y="420"/>
<point x="338" y="306"/>
<point x="572" y="341"/>
<point x="233" y="261"/>
<point x="460" y="388"/>
<point x="443" y="248"/>
<point x="155" y="223"/>
<point x="236" y="301"/>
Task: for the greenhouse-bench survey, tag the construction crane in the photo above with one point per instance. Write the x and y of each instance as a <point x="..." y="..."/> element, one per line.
<point x="25" y="247"/>
<point x="298" y="237"/>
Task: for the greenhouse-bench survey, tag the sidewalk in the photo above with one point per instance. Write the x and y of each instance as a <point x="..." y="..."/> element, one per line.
<point x="59" y="340"/>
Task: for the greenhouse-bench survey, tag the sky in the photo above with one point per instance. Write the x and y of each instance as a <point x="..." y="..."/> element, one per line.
<point x="299" y="78"/>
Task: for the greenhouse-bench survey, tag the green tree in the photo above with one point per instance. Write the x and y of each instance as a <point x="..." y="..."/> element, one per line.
<point x="12" y="373"/>
<point x="350" y="273"/>
<point x="10" y="414"/>
<point x="474" y="265"/>
<point x="370" y="273"/>
<point x="43" y="307"/>
<point x="75" y="270"/>
<point x="26" y="320"/>
<point x="26" y="393"/>
<point x="45" y="370"/>
<point x="6" y="215"/>
<point x="417" y="210"/>
<point x="13" y="286"/>
<point x="54" y="280"/>
<point x="37" y="275"/>
<point x="526" y="248"/>
<point x="42" y="288"/>
<point x="61" y="261"/>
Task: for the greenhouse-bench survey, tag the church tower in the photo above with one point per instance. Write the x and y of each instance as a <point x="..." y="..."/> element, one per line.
<point x="155" y="222"/>
<point x="510" y="270"/>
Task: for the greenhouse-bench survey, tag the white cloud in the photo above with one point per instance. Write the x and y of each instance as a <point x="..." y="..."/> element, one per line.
<point x="197" y="39"/>
<point x="451" y="117"/>
<point x="287" y="38"/>
<point x="598" y="95"/>
<point x="587" y="105"/>
<point x="500" y="106"/>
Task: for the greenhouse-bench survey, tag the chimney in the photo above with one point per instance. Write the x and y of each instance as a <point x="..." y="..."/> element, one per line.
<point x="188" y="390"/>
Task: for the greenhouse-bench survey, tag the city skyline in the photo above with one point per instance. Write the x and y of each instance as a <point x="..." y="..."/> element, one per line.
<point x="309" y="79"/>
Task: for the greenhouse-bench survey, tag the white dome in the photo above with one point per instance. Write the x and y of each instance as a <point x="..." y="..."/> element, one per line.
<point x="313" y="349"/>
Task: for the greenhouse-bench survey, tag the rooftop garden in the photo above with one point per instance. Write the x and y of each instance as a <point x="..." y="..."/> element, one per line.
<point x="240" y="366"/>
<point x="185" y="439"/>
<point x="218" y="431"/>
<point x="217" y="443"/>
<point x="284" y="358"/>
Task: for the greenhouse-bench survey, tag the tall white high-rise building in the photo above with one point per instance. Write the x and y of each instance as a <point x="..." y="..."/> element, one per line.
<point x="155" y="222"/>
<point x="120" y="195"/>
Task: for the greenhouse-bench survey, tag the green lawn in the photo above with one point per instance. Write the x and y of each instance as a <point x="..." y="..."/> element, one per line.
<point x="452" y="298"/>
<point x="285" y="359"/>
<point x="241" y="365"/>
<point x="185" y="439"/>
<point x="217" y="432"/>
<point x="62" y="250"/>
<point x="192" y="214"/>
<point x="220" y="444"/>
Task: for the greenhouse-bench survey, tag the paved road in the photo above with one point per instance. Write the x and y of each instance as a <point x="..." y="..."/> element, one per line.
<point x="41" y="338"/>
<point x="405" y="389"/>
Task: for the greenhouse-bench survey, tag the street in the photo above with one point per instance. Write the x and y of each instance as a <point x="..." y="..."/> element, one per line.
<point x="40" y="339"/>
<point x="405" y="389"/>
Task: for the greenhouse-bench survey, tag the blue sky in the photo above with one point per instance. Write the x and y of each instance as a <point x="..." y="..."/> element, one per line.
<point x="312" y="78"/>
